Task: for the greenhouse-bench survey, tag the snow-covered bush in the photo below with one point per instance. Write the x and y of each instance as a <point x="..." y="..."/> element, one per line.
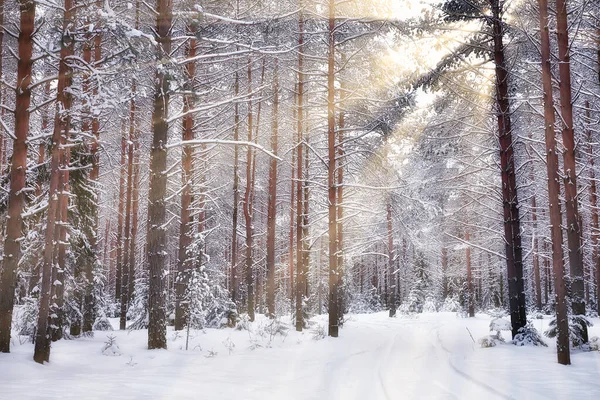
<point x="500" y="324"/>
<point x="490" y="341"/>
<point x="429" y="305"/>
<point x="26" y="321"/>
<point x="451" y="304"/>
<point x="594" y="343"/>
<point x="528" y="336"/>
<point x="577" y="324"/>
<point x="110" y="347"/>
<point x="318" y="332"/>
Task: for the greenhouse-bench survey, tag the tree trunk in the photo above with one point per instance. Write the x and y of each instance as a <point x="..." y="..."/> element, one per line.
<point x="562" y="322"/>
<point x="120" y="216"/>
<point x="236" y="193"/>
<point x="60" y="133"/>
<point x="125" y="276"/>
<point x="157" y="239"/>
<point x="569" y="168"/>
<point x="512" y="229"/>
<point x="186" y="233"/>
<point x="300" y="277"/>
<point x="18" y="170"/>
<point x="391" y="253"/>
<point x="334" y="316"/>
<point x="89" y="300"/>
<point x="272" y="203"/>
<point x="470" y="294"/>
<point x="248" y="213"/>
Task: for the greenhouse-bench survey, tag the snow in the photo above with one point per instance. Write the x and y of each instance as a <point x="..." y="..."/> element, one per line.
<point x="430" y="356"/>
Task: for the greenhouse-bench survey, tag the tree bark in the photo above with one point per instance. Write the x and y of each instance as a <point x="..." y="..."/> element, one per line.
<point x="300" y="276"/>
<point x="157" y="239"/>
<point x="392" y="302"/>
<point x="248" y="213"/>
<point x="334" y="315"/>
<point x="470" y="294"/>
<point x="272" y="202"/>
<point x="236" y="193"/>
<point x="512" y="229"/>
<point x="569" y="168"/>
<point x="60" y="133"/>
<point x="186" y="233"/>
<point x="562" y="322"/>
<point x="18" y="169"/>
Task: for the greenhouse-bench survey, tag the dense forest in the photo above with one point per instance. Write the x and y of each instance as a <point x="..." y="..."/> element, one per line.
<point x="197" y="163"/>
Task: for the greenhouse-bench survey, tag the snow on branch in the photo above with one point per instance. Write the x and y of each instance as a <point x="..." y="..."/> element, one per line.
<point x="223" y="142"/>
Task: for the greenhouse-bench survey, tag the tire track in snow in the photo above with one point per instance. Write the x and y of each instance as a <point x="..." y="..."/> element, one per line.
<point x="466" y="376"/>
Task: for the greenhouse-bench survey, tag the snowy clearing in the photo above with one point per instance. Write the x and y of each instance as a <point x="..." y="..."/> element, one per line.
<point x="430" y="356"/>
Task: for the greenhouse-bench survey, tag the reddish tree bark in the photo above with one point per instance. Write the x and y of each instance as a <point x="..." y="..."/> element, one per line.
<point x="60" y="133"/>
<point x="272" y="202"/>
<point x="569" y="168"/>
<point x="562" y="322"/>
<point x="18" y="170"/>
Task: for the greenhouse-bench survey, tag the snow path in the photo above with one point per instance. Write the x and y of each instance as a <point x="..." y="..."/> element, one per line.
<point x="429" y="357"/>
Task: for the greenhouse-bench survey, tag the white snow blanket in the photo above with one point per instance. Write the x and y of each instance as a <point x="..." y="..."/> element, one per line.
<point x="375" y="358"/>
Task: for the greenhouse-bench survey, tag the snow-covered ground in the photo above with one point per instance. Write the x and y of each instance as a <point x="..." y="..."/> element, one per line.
<point x="431" y="356"/>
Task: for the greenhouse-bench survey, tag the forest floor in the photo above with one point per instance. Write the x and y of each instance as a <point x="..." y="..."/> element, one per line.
<point x="430" y="356"/>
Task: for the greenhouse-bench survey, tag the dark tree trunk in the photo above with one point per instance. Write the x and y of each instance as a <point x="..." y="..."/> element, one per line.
<point x="334" y="314"/>
<point x="272" y="202"/>
<point x="569" y="168"/>
<point x="88" y="270"/>
<point x="157" y="239"/>
<point x="300" y="276"/>
<point x="470" y="294"/>
<point x="120" y="216"/>
<point x="126" y="268"/>
<point x="512" y="229"/>
<point x="18" y="170"/>
<point x="186" y="233"/>
<point x="392" y="302"/>
<point x="562" y="322"/>
<point x="236" y="193"/>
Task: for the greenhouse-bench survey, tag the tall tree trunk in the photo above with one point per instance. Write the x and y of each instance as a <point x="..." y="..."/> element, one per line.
<point x="562" y="322"/>
<point x="157" y="239"/>
<point x="125" y="276"/>
<point x="300" y="277"/>
<point x="272" y="202"/>
<point x="569" y="168"/>
<point x="512" y="229"/>
<point x="60" y="134"/>
<point x="444" y="272"/>
<point x="248" y="212"/>
<point x="236" y="193"/>
<point x="391" y="254"/>
<point x="89" y="300"/>
<point x="334" y="315"/>
<point x="120" y="215"/>
<point x="340" y="199"/>
<point x="595" y="231"/>
<point x="470" y="294"/>
<point x="186" y="233"/>
<point x="18" y="170"/>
